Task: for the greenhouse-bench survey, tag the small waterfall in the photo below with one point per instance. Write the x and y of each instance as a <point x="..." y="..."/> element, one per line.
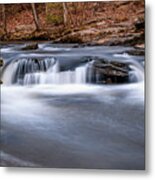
<point x="29" y="71"/>
<point x="81" y="74"/>
<point x="55" y="76"/>
<point x="16" y="71"/>
<point x="10" y="73"/>
<point x="137" y="72"/>
<point x="47" y="71"/>
<point x="54" y="68"/>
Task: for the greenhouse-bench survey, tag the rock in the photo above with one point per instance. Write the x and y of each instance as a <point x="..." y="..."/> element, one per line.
<point x="130" y="40"/>
<point x="140" y="46"/>
<point x="40" y="35"/>
<point x="33" y="46"/>
<point x="71" y="38"/>
<point x="1" y="62"/>
<point x="24" y="28"/>
<point x="111" y="73"/>
<point x="136" y="52"/>
<point x="140" y="24"/>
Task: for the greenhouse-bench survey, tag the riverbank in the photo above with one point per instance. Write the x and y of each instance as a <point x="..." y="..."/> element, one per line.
<point x="116" y="23"/>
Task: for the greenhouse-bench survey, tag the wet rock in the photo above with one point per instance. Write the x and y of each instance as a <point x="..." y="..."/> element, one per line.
<point x="136" y="52"/>
<point x="33" y="46"/>
<point x="1" y="62"/>
<point x="111" y="73"/>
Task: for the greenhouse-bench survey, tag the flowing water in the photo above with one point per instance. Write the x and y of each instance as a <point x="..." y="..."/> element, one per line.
<point x="56" y="114"/>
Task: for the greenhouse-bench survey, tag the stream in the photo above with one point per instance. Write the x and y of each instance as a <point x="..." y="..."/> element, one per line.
<point x="57" y="112"/>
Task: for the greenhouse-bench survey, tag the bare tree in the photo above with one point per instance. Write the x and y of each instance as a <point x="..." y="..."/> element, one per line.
<point x="65" y="13"/>
<point x="35" y="16"/>
<point x="4" y="18"/>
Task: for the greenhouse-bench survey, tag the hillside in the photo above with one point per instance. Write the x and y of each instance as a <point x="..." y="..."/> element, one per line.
<point x="106" y="23"/>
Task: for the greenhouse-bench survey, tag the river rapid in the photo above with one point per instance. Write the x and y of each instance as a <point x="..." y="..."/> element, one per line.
<point x="54" y="115"/>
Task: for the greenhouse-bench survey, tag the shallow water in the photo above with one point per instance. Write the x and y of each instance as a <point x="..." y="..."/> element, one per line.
<point x="78" y="125"/>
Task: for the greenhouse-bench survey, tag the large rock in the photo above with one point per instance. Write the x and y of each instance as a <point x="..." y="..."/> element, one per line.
<point x="111" y="73"/>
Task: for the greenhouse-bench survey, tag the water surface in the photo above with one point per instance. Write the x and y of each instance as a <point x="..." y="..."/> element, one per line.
<point x="65" y="120"/>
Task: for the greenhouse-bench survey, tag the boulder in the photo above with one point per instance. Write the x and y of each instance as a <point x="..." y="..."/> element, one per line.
<point x="111" y="73"/>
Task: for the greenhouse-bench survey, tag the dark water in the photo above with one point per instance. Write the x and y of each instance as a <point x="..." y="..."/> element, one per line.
<point x="74" y="125"/>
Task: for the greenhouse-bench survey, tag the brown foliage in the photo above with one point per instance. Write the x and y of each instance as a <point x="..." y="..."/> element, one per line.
<point x="105" y="17"/>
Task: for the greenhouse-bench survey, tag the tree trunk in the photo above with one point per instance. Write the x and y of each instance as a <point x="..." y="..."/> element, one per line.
<point x="35" y="16"/>
<point x="65" y="13"/>
<point x="4" y="19"/>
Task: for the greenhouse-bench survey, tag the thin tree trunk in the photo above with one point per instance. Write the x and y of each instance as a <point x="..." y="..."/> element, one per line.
<point x="35" y="16"/>
<point x="4" y="18"/>
<point x="65" y="13"/>
<point x="70" y="17"/>
<point x="46" y="9"/>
